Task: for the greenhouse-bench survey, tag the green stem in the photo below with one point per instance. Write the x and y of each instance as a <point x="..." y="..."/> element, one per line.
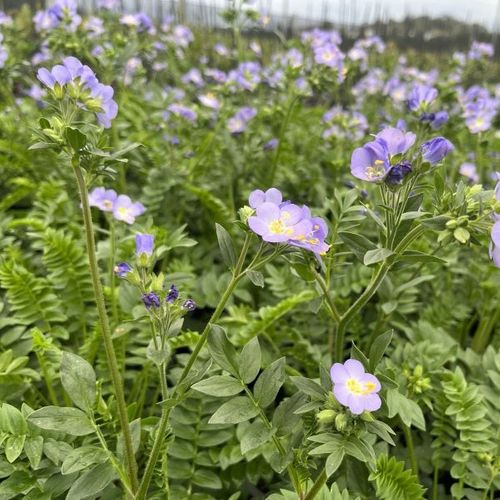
<point x="112" y="250"/>
<point x="277" y="443"/>
<point x="331" y="306"/>
<point x="284" y="124"/>
<point x="116" y="379"/>
<point x="116" y="465"/>
<point x="347" y="317"/>
<point x="153" y="457"/>
<point x="411" y="448"/>
<point x="435" y="483"/>
<point x="47" y="378"/>
<point x="483" y="333"/>
<point x="316" y="487"/>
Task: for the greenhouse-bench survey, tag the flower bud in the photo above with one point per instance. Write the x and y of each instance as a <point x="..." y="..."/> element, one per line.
<point x="150" y="300"/>
<point x="366" y="416"/>
<point x="436" y="149"/>
<point x="245" y="212"/>
<point x="326" y="416"/>
<point x="122" y="269"/>
<point x="341" y="422"/>
<point x="461" y="235"/>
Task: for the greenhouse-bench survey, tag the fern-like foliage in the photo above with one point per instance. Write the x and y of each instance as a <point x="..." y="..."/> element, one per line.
<point x="469" y="415"/>
<point x="268" y="315"/>
<point x="30" y="297"/>
<point x="198" y="451"/>
<point x="393" y="482"/>
<point x="67" y="268"/>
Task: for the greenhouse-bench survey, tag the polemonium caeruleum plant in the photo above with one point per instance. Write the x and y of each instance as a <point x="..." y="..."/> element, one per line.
<point x="341" y="344"/>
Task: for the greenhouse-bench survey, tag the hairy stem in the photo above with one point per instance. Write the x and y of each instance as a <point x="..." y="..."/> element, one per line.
<point x="116" y="378"/>
<point x="411" y="448"/>
<point x="316" y="487"/>
<point x="153" y="457"/>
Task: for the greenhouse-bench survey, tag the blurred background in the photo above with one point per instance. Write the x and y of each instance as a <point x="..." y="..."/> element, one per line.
<point x="427" y="25"/>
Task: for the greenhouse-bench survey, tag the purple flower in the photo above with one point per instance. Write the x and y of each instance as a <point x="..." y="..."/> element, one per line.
<point x="480" y="121"/>
<point x="469" y="170"/>
<point x="440" y="118"/>
<point x="278" y="221"/>
<point x="144" y="243"/>
<point x="150" y="300"/>
<point x="314" y="241"/>
<point x="173" y="294"/>
<point x="122" y="269"/>
<point x="328" y="55"/>
<point x="246" y="113"/>
<point x="494" y="250"/>
<point x="398" y="172"/>
<point x="258" y="197"/>
<point x="436" y="149"/>
<point x="397" y="140"/>
<point x="278" y="225"/>
<point x="189" y="305"/>
<point x="126" y="210"/>
<point x="103" y="199"/>
<point x="209" y="100"/>
<point x="354" y="388"/>
<point x="479" y="50"/>
<point x="182" y="111"/>
<point x="421" y="96"/>
<point x="238" y="123"/>
<point x="182" y="35"/>
<point x="91" y="93"/>
<point x="221" y="49"/>
<point x="271" y="145"/>
<point x="193" y="76"/>
<point x="370" y="162"/>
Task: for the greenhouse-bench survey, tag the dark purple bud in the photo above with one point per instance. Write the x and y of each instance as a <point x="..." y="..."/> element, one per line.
<point x="189" y="305"/>
<point x="122" y="269"/>
<point x="270" y="145"/>
<point x="427" y="117"/>
<point x="173" y="294"/>
<point x="150" y="299"/>
<point x="398" y="172"/>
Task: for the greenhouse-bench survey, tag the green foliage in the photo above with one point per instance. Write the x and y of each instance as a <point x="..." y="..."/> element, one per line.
<point x="393" y="482"/>
<point x="30" y="297"/>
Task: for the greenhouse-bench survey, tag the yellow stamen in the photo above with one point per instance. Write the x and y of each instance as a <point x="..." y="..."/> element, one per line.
<point x="355" y="387"/>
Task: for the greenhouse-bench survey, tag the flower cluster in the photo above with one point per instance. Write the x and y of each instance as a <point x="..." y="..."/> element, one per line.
<point x="152" y="299"/>
<point x="121" y="206"/>
<point x="354" y="388"/>
<point x="79" y="82"/>
<point x="350" y="125"/>
<point x="278" y="221"/>
<point x="382" y="159"/>
<point x="60" y="13"/>
<point x="479" y="108"/>
<point x="239" y="122"/>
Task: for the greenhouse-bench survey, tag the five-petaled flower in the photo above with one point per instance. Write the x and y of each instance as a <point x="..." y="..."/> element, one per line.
<point x="354" y="388"/>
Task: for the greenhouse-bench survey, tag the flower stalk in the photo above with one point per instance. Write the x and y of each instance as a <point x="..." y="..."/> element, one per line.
<point x="116" y="378"/>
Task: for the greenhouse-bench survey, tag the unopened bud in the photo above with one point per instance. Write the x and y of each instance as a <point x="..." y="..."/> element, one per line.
<point x="461" y="235"/>
<point x="340" y="422"/>
<point x="326" y="416"/>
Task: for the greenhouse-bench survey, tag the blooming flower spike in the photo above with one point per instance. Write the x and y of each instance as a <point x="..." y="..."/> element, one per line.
<point x="354" y="388"/>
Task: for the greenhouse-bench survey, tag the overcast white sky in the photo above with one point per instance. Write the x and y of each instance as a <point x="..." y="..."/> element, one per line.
<point x="480" y="11"/>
